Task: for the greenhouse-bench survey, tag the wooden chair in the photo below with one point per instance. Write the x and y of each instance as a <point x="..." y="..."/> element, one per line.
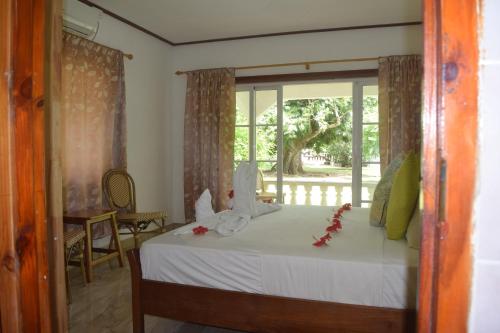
<point x="261" y="189"/>
<point x="119" y="190"/>
<point x="73" y="249"/>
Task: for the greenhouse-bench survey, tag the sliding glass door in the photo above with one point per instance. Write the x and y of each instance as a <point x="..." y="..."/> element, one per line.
<point x="259" y="135"/>
<point x="314" y="143"/>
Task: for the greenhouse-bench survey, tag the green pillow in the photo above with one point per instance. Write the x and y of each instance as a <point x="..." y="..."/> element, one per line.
<point x="403" y="198"/>
<point x="378" y="209"/>
<point x="414" y="232"/>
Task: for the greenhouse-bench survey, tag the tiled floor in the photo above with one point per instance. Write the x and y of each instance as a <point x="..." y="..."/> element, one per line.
<point x="104" y="305"/>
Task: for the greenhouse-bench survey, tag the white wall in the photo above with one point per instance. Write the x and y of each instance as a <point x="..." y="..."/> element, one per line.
<point x="146" y="82"/>
<point x="486" y="278"/>
<point x="293" y="48"/>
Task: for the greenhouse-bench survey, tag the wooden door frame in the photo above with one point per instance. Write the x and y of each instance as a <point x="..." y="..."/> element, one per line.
<point x="30" y="238"/>
<point x="449" y="163"/>
<point x="23" y="238"/>
<point x="450" y="128"/>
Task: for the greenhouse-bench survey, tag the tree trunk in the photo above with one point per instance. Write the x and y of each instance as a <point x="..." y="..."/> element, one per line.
<point x="292" y="162"/>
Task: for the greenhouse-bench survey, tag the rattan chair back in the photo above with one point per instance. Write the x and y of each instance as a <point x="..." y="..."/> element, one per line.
<point x="119" y="190"/>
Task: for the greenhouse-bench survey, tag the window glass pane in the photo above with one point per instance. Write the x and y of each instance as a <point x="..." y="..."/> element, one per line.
<point x="371" y="151"/>
<point x="265" y="107"/>
<point x="323" y="174"/>
<point x="266" y="183"/>
<point x="266" y="143"/>
<point x="241" y="143"/>
<point x="370" y="177"/>
<point x="242" y="108"/>
<point x="370" y="104"/>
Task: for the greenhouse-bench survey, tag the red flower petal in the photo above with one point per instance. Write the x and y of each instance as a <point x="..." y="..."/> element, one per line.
<point x="201" y="230"/>
<point x="347" y="206"/>
<point x="320" y="243"/>
<point x="326" y="237"/>
<point x="331" y="228"/>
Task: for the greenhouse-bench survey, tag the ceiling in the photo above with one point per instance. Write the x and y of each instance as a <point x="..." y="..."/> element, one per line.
<point x="181" y="21"/>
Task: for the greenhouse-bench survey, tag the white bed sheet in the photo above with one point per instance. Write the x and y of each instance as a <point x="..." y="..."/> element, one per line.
<point x="274" y="256"/>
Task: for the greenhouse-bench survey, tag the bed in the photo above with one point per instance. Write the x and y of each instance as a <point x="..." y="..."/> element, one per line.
<point x="269" y="277"/>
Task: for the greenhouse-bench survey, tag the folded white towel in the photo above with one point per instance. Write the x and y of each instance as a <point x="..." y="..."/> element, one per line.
<point x="231" y="223"/>
<point x="244" y="185"/>
<point x="203" y="206"/>
<point x="262" y="208"/>
<point x="245" y="205"/>
<point x="225" y="223"/>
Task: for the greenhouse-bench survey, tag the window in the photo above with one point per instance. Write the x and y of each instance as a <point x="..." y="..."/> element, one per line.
<point x="315" y="143"/>
<point x="242" y="130"/>
<point x="370" y="172"/>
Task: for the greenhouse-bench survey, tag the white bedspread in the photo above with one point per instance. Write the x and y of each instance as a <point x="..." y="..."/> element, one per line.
<point x="274" y="255"/>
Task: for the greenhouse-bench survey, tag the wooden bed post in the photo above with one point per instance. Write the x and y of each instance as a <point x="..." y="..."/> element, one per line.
<point x="134" y="260"/>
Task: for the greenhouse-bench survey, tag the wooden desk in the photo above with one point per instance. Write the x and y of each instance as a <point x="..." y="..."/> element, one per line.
<point x="86" y="219"/>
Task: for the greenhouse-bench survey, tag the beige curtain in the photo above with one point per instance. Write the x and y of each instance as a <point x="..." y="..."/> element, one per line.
<point x="209" y="122"/>
<point x="93" y="119"/>
<point x="400" y="80"/>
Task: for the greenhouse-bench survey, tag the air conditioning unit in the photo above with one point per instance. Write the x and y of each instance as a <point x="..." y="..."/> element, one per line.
<point x="80" y="19"/>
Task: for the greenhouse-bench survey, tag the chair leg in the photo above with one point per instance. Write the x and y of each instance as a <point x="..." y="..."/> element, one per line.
<point x="163" y="225"/>
<point x="136" y="240"/>
<point x="82" y="269"/>
<point x="110" y="246"/>
<point x="111" y="238"/>
<point x="115" y="239"/>
<point x="66" y="276"/>
<point x="88" y="252"/>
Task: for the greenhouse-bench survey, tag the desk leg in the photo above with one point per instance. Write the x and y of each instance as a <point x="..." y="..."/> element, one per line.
<point x="88" y="251"/>
<point x="115" y="234"/>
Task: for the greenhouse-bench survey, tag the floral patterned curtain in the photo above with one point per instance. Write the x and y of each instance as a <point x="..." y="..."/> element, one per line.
<point x="399" y="82"/>
<point x="93" y="119"/>
<point x="209" y="123"/>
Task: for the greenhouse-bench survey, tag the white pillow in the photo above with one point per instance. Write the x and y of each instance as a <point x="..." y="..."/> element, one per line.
<point x="203" y="206"/>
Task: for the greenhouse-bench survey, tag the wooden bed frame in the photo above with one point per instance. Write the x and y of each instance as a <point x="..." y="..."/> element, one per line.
<point x="255" y="312"/>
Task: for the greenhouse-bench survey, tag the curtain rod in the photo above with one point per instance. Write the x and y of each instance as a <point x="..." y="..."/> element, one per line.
<point x="129" y="56"/>
<point x="307" y="64"/>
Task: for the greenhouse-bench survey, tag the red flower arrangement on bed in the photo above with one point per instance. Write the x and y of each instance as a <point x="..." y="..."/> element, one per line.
<point x="201" y="230"/>
<point x="334" y="227"/>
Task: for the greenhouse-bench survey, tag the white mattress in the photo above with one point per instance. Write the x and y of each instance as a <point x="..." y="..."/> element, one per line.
<point x="274" y="256"/>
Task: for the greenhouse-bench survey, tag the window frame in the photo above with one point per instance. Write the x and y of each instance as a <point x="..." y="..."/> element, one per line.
<point x="357" y="140"/>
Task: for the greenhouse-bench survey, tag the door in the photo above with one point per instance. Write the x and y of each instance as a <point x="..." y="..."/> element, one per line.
<point x="258" y="135"/>
<point x="314" y="143"/>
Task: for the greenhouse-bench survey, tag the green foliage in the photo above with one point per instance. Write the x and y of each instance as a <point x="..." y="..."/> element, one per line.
<point x="370" y="132"/>
<point x="330" y="117"/>
<point x="337" y="142"/>
<point x="305" y="116"/>
<point x="241" y="146"/>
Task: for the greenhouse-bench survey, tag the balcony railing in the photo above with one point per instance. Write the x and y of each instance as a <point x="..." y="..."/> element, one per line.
<point x="318" y="193"/>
